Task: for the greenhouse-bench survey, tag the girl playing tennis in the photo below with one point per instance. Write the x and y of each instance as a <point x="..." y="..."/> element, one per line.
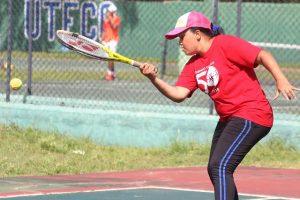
<point x="222" y="66"/>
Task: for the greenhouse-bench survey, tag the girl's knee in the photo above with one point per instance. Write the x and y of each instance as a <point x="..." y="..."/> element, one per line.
<point x="213" y="170"/>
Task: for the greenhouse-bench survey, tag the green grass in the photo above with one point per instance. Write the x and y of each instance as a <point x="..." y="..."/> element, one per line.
<point x="69" y="55"/>
<point x="70" y="75"/>
<point x="33" y="152"/>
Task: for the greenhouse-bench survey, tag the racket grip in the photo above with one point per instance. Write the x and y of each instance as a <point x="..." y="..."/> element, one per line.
<point x="136" y="64"/>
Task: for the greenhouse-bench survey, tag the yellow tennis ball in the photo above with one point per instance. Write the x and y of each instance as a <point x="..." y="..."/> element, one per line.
<point x="15" y="83"/>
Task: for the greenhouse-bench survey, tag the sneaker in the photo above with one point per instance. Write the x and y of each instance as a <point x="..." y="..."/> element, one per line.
<point x="110" y="76"/>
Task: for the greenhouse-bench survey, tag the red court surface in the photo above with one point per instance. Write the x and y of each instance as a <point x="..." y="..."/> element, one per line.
<point x="284" y="183"/>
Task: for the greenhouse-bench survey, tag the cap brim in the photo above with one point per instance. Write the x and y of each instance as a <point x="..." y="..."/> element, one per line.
<point x="174" y="33"/>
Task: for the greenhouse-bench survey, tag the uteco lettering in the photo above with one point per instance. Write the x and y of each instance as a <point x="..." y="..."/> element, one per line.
<point x="88" y="10"/>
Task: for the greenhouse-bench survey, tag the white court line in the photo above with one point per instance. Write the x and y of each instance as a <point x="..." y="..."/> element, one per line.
<point x="261" y="197"/>
<point x="276" y="45"/>
<point x="73" y="192"/>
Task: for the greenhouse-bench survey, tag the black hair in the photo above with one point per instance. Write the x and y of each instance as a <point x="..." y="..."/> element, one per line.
<point x="214" y="31"/>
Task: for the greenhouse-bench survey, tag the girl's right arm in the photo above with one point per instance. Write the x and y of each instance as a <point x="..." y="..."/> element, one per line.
<point x="175" y="93"/>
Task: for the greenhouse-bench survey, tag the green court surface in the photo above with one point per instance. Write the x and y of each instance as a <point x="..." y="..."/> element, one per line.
<point x="138" y="194"/>
<point x="183" y="183"/>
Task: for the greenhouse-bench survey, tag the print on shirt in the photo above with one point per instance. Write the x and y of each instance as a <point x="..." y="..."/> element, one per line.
<point x="207" y="79"/>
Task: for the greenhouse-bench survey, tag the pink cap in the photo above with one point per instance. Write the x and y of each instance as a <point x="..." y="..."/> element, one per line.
<point x="189" y="20"/>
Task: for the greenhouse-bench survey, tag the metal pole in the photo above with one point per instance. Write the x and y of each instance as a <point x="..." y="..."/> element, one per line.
<point x="29" y="58"/>
<point x="215" y="21"/>
<point x="9" y="50"/>
<point x="164" y="58"/>
<point x="29" y="78"/>
<point x="239" y="18"/>
<point x="215" y="11"/>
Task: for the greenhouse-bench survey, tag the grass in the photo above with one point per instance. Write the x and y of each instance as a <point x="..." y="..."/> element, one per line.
<point x="69" y="55"/>
<point x="28" y="151"/>
<point x="69" y="75"/>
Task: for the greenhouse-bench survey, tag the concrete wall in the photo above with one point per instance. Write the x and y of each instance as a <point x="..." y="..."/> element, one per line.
<point x="127" y="127"/>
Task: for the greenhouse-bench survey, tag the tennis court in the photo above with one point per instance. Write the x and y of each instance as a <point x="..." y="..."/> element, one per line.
<point x="62" y="81"/>
<point x="174" y="183"/>
<point x="140" y="193"/>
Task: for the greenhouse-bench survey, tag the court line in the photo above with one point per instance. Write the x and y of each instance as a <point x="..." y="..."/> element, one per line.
<point x="276" y="45"/>
<point x="89" y="190"/>
<point x="72" y="191"/>
<point x="264" y="197"/>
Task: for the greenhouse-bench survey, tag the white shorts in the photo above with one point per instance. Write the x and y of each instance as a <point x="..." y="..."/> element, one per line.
<point x="112" y="45"/>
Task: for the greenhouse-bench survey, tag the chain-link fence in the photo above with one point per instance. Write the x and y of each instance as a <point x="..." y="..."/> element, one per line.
<point x="53" y="75"/>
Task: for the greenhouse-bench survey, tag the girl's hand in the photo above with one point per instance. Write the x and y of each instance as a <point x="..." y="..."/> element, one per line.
<point x="286" y="89"/>
<point x="149" y="70"/>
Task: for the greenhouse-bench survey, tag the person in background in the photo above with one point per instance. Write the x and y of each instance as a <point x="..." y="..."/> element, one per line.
<point x="222" y="66"/>
<point x="110" y="36"/>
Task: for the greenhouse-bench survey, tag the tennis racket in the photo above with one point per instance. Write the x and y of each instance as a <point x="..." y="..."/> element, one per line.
<point x="91" y="48"/>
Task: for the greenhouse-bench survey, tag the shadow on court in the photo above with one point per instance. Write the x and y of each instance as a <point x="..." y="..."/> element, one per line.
<point x="169" y="184"/>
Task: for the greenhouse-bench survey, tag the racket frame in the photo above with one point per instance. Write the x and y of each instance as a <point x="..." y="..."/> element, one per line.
<point x="112" y="56"/>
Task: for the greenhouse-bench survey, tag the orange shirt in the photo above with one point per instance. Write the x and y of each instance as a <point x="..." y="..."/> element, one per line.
<point x="109" y="33"/>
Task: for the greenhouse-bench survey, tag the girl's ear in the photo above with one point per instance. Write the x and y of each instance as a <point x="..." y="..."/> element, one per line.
<point x="198" y="35"/>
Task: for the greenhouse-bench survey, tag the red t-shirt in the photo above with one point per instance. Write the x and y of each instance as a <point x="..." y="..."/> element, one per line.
<point x="226" y="73"/>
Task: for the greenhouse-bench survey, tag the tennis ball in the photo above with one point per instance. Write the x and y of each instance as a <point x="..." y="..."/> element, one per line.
<point x="15" y="84"/>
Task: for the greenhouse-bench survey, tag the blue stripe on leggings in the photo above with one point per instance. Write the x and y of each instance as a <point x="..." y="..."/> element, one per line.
<point x="221" y="163"/>
<point x="226" y="162"/>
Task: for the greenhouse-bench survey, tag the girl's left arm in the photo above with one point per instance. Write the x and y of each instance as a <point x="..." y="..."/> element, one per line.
<point x="283" y="86"/>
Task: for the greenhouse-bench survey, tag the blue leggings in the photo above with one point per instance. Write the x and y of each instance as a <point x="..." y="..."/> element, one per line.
<point x="231" y="142"/>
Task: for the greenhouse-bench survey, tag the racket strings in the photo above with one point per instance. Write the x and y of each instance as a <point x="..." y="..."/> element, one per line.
<point x="85" y="46"/>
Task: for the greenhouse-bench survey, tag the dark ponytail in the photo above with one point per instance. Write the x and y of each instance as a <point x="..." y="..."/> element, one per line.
<point x="216" y="30"/>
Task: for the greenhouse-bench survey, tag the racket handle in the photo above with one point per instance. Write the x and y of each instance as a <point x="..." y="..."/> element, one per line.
<point x="136" y="64"/>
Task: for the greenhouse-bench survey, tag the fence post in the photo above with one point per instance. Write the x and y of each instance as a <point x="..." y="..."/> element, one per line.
<point x="164" y="58"/>
<point x="239" y="18"/>
<point x="215" y="11"/>
<point x="29" y="58"/>
<point x="215" y="21"/>
<point x="29" y="76"/>
<point x="9" y="50"/>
